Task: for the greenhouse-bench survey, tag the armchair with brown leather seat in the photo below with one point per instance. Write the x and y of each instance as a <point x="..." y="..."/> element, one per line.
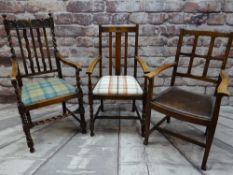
<point x="186" y="105"/>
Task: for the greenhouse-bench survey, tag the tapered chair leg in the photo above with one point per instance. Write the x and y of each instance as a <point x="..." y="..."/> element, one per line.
<point x="91" y="117"/>
<point x="64" y="107"/>
<point x="147" y="125"/>
<point x="133" y="106"/>
<point x="168" y="119"/>
<point x="143" y="118"/>
<point x="210" y="137"/>
<point x="102" y="105"/>
<point x="206" y="131"/>
<point x="82" y="116"/>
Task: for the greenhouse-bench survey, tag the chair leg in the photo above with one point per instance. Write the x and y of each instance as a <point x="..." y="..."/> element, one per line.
<point x="102" y="105"/>
<point x="143" y="118"/>
<point x="168" y="119"/>
<point x="82" y="116"/>
<point x="210" y="137"/>
<point x="147" y="125"/>
<point x="26" y="130"/>
<point x="64" y="107"/>
<point x="133" y="106"/>
<point x="91" y="116"/>
<point x="206" y="131"/>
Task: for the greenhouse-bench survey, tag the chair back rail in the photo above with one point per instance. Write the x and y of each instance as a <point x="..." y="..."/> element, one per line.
<point x="33" y="38"/>
<point x="118" y="31"/>
<point x="208" y="57"/>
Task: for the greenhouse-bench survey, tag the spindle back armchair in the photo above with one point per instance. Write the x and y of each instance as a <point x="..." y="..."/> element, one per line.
<point x="186" y="105"/>
<point x="35" y="54"/>
<point x="118" y="84"/>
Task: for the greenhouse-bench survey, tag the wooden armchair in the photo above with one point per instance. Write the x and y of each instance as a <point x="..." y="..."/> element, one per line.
<point x="33" y="45"/>
<point x="118" y="86"/>
<point x="188" y="106"/>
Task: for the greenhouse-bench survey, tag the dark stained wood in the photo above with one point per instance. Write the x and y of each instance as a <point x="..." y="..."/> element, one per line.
<point x="208" y="56"/>
<point x="118" y="54"/>
<point x="117" y="31"/>
<point x="21" y="50"/>
<point x="110" y="53"/>
<point x="41" y="49"/>
<point x="100" y="50"/>
<point x="34" y="48"/>
<point x="28" y="50"/>
<point x="47" y="48"/>
<point x="189" y="106"/>
<point x="192" y="54"/>
<point x="136" y="52"/>
<point x="25" y="27"/>
<point x="126" y="53"/>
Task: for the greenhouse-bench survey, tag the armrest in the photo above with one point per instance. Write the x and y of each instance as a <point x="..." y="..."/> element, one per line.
<point x="92" y="65"/>
<point x="223" y="86"/>
<point x="157" y="71"/>
<point x="14" y="71"/>
<point x="143" y="64"/>
<point x="73" y="64"/>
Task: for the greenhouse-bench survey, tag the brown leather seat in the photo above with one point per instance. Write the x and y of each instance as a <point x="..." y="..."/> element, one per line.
<point x="178" y="101"/>
<point x="189" y="106"/>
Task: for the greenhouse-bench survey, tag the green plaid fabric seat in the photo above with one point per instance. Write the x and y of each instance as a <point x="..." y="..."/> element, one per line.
<point x="36" y="91"/>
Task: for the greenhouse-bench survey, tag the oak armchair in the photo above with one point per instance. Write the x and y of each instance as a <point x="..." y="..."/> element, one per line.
<point x="118" y="84"/>
<point x="188" y="106"/>
<point x="35" y="54"/>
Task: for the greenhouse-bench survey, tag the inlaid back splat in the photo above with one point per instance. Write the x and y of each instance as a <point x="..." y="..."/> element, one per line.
<point x="117" y="35"/>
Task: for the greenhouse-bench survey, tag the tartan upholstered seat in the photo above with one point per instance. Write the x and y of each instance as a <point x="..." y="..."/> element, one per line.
<point x="118" y="85"/>
<point x="36" y="91"/>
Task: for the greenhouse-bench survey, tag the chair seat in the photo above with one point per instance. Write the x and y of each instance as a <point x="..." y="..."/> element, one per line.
<point x="118" y="85"/>
<point x="37" y="91"/>
<point x="184" y="102"/>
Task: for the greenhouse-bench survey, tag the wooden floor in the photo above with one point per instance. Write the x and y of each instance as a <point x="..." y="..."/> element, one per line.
<point x="116" y="149"/>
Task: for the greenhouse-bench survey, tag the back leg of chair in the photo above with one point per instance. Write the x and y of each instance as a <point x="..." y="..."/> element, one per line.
<point x="64" y="107"/>
<point x="168" y="119"/>
<point x="26" y="129"/>
<point x="147" y="124"/>
<point x="133" y="106"/>
<point x="210" y="137"/>
<point x="91" y="116"/>
<point x="82" y="115"/>
<point x="102" y="105"/>
<point x="143" y="118"/>
<point x="206" y="131"/>
<point x="29" y="119"/>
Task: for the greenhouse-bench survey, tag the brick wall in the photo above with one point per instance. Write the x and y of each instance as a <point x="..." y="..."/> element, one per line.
<point x="160" y="20"/>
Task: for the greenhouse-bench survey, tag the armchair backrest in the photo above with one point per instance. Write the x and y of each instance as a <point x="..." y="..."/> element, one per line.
<point x="33" y="46"/>
<point x="117" y="31"/>
<point x="205" y="39"/>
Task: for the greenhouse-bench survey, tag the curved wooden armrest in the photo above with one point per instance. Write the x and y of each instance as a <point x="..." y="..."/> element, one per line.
<point x="14" y="71"/>
<point x="92" y="65"/>
<point x="223" y="86"/>
<point x="157" y="71"/>
<point x="73" y="64"/>
<point x="143" y="64"/>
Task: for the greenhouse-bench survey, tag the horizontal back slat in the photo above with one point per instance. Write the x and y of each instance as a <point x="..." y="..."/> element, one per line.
<point x="24" y="24"/>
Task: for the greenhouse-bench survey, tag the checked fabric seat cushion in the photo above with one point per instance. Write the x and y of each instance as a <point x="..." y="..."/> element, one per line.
<point x="118" y="85"/>
<point x="36" y="91"/>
